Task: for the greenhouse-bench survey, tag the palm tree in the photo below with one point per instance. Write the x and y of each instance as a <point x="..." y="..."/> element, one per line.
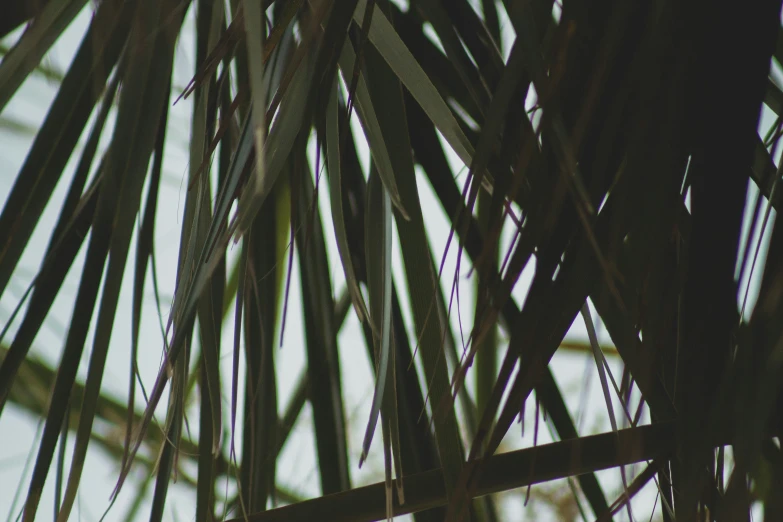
<point x="613" y="149"/>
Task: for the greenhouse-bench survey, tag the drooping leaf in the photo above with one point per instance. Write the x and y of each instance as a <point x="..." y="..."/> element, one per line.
<point x="378" y="243"/>
<point x="128" y="161"/>
<point x="57" y="137"/>
<point x="336" y="188"/>
<point x="47" y="26"/>
<point x="323" y="365"/>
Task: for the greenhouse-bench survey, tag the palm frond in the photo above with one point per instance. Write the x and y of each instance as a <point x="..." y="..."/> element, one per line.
<point x="403" y="207"/>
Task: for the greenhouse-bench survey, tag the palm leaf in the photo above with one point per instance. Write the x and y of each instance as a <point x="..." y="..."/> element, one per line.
<point x="589" y="144"/>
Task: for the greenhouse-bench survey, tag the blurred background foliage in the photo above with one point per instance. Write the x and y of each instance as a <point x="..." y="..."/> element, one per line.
<point x="440" y="208"/>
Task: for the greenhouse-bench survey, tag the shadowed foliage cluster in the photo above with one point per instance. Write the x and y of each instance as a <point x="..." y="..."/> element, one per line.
<point x="619" y="145"/>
